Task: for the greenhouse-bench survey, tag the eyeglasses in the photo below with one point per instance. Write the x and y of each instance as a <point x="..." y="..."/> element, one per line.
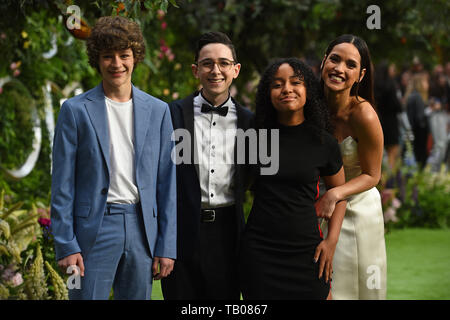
<point x="207" y="65"/>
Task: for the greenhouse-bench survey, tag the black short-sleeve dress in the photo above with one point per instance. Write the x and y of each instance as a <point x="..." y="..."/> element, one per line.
<point x="282" y="231"/>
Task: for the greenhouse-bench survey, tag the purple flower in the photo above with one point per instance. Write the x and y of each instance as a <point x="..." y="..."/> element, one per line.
<point x="45" y="222"/>
<point x="8" y="273"/>
<point x="401" y="186"/>
<point x="164" y="48"/>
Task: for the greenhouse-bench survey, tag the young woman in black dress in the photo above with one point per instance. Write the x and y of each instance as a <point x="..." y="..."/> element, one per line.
<point x="283" y="254"/>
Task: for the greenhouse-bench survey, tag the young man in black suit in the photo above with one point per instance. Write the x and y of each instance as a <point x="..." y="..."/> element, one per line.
<point x="210" y="191"/>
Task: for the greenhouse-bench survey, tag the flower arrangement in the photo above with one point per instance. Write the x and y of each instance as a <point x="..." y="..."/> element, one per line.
<point x="22" y="272"/>
<point x="415" y="198"/>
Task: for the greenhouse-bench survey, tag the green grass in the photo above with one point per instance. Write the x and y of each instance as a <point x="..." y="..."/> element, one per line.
<point x="156" y="291"/>
<point x="418" y="263"/>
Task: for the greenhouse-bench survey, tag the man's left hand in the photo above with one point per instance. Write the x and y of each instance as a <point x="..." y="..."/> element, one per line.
<point x="163" y="265"/>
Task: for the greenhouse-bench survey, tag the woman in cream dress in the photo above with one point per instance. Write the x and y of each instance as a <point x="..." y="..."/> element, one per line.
<point x="359" y="265"/>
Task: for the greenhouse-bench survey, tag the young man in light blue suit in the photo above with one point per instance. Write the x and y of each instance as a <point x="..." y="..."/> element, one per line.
<point x="113" y="201"/>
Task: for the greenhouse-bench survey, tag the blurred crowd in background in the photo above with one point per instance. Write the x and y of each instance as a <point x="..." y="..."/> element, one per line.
<point x="413" y="106"/>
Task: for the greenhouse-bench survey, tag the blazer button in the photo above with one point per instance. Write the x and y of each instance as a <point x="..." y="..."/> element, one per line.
<point x="104" y="191"/>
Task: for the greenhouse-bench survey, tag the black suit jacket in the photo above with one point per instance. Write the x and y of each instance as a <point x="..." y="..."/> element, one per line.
<point x="188" y="185"/>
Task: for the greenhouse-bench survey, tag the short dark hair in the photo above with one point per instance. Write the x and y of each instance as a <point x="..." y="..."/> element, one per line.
<point x="115" y="33"/>
<point x="214" y="37"/>
<point x="315" y="109"/>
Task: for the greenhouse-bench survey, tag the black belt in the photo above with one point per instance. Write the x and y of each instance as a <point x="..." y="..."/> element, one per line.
<point x="211" y="215"/>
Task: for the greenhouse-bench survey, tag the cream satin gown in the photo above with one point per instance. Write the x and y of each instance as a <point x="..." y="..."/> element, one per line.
<point x="359" y="264"/>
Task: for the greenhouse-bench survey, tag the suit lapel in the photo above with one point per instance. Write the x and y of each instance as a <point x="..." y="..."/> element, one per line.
<point x="187" y="109"/>
<point x="96" y="109"/>
<point x="239" y="125"/>
<point x="241" y="176"/>
<point x="239" y="113"/>
<point x="142" y="112"/>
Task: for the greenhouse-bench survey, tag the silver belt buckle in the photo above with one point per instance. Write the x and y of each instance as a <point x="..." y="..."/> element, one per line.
<point x="211" y="215"/>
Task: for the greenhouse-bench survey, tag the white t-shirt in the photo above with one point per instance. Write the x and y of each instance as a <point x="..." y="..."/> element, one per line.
<point x="122" y="188"/>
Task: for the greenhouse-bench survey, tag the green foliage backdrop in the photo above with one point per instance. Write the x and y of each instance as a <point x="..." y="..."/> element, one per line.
<point x="260" y="29"/>
<point x="38" y="51"/>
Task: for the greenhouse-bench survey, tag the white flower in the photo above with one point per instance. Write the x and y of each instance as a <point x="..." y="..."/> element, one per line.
<point x="389" y="215"/>
<point x="396" y="203"/>
<point x="17" y="280"/>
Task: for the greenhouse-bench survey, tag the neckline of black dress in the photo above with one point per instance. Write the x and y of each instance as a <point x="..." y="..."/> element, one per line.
<point x="293" y="128"/>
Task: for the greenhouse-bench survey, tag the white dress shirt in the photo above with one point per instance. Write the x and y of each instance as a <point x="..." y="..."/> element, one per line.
<point x="215" y="140"/>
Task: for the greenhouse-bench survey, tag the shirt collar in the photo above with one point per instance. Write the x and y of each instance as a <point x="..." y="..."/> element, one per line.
<point x="204" y="100"/>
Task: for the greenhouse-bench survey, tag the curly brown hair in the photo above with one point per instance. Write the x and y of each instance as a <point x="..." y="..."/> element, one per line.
<point x="115" y="33"/>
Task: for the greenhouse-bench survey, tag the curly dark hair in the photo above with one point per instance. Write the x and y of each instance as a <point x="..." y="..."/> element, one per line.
<point x="315" y="109"/>
<point x="115" y="33"/>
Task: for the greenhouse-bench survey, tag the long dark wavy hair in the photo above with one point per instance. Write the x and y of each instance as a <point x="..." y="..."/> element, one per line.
<point x="364" y="88"/>
<point x="315" y="109"/>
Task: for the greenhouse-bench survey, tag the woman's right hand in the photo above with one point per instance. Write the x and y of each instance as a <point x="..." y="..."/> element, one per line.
<point x="326" y="204"/>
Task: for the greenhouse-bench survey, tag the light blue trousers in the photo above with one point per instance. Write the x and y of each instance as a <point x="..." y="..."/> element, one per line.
<point x="120" y="258"/>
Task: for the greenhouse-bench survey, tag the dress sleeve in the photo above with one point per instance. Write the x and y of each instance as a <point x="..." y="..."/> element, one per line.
<point x="333" y="163"/>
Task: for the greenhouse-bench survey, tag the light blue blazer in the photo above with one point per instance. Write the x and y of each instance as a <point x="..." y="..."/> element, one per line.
<point x="81" y="172"/>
